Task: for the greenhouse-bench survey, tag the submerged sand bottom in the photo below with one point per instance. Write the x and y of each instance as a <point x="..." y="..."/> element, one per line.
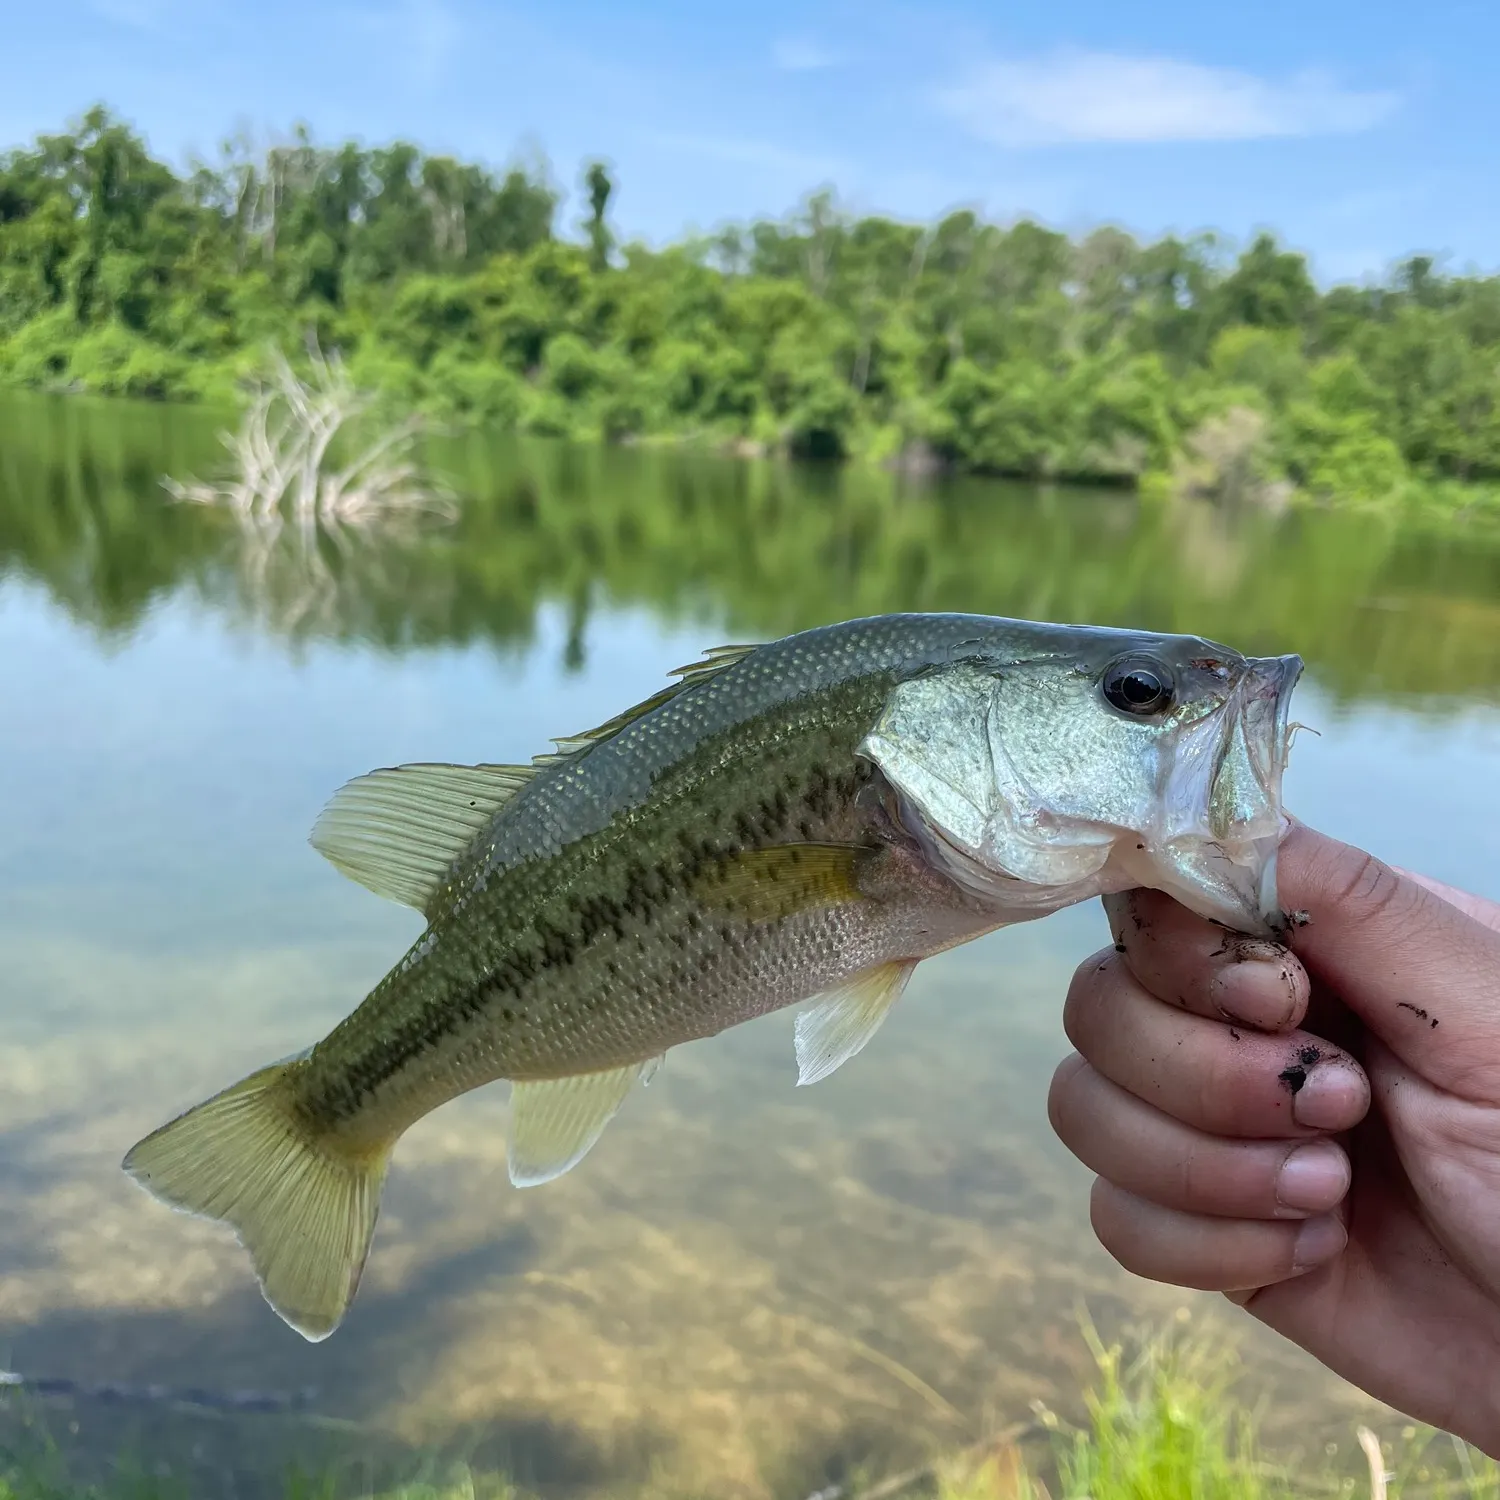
<point x="745" y="1291"/>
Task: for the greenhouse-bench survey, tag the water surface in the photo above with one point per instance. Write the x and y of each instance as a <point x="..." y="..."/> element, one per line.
<point x="746" y="1288"/>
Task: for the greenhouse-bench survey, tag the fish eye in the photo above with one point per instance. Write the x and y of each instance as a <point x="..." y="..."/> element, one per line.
<point x="1138" y="688"/>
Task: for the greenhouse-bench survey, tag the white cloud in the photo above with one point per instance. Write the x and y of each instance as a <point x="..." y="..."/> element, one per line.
<point x="802" y="55"/>
<point x="1075" y="97"/>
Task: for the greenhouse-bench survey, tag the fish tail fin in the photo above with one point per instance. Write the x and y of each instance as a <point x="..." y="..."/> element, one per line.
<point x="303" y="1205"/>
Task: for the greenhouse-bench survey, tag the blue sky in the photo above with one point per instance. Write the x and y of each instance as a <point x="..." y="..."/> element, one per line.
<point x="1360" y="129"/>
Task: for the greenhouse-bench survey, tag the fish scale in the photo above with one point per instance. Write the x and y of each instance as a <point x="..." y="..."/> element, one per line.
<point x="613" y="924"/>
<point x="798" y="821"/>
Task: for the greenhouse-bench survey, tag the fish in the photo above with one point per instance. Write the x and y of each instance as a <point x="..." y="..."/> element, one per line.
<point x="797" y="822"/>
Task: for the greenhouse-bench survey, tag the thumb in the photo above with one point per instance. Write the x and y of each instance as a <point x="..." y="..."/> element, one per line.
<point x="1421" y="973"/>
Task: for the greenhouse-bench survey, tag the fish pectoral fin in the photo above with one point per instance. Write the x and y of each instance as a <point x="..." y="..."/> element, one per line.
<point x="837" y="1025"/>
<point x="399" y="830"/>
<point x="555" y="1121"/>
<point x="302" y="1205"/>
<point x="779" y="880"/>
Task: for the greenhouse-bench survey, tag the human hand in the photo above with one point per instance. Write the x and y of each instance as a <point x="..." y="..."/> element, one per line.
<point x="1314" y="1132"/>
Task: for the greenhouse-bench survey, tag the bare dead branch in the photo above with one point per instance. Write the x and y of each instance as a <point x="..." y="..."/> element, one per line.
<point x="279" y="469"/>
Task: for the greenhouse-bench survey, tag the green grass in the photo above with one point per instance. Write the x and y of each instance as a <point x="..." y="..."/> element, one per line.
<point x="1161" y="1425"/>
<point x="1164" y="1421"/>
<point x="1165" y="1424"/>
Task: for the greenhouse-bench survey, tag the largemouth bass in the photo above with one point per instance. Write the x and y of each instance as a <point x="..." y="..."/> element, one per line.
<point x="798" y="821"/>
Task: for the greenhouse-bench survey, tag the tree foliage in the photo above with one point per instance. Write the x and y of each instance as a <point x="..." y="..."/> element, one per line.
<point x="1009" y="349"/>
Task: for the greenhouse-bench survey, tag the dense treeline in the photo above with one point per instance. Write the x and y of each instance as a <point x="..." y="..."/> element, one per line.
<point x="1007" y="349"/>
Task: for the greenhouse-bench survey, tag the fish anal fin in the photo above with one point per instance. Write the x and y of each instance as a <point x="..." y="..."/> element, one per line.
<point x="303" y="1207"/>
<point x="554" y="1122"/>
<point x="779" y="880"/>
<point x="398" y="831"/>
<point x="837" y="1025"/>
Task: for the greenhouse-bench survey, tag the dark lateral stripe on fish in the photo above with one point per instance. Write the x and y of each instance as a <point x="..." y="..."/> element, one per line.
<point x="641" y="889"/>
<point x="598" y="915"/>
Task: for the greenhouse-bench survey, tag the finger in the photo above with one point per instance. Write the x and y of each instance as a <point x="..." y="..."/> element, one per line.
<point x="1192" y="963"/>
<point x="1215" y="1255"/>
<point x="1155" y="1157"/>
<point x="1419" y="972"/>
<point x="1483" y="910"/>
<point x="1207" y="1074"/>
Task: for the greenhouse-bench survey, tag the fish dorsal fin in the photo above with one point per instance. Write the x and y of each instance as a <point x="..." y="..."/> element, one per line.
<point x="778" y="880"/>
<point x="555" y="1121"/>
<point x="399" y="830"/>
<point x="715" y="660"/>
<point x="837" y="1025"/>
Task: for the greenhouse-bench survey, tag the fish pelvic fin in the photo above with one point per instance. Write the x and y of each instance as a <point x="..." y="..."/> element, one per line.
<point x="840" y="1023"/>
<point x="302" y="1204"/>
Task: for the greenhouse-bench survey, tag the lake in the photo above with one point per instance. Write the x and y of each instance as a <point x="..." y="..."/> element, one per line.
<point x="747" y="1289"/>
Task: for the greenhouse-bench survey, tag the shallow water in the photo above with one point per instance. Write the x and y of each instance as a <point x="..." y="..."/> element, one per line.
<point x="746" y="1288"/>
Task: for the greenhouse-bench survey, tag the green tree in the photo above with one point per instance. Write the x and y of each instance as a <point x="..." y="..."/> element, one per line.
<point x="1008" y="348"/>
<point x="601" y="241"/>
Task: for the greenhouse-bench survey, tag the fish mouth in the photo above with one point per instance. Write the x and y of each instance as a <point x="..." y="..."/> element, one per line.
<point x="1267" y="721"/>
<point x="1220" y="859"/>
<point x="1272" y="680"/>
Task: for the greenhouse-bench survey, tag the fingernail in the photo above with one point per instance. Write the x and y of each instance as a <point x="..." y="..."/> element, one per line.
<point x="1332" y="1096"/>
<point x="1313" y="1178"/>
<point x="1318" y="1240"/>
<point x="1256" y="950"/>
<point x="1257" y="989"/>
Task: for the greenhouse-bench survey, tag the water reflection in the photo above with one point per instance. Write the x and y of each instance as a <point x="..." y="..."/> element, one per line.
<point x="750" y="1287"/>
<point x="1378" y="609"/>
